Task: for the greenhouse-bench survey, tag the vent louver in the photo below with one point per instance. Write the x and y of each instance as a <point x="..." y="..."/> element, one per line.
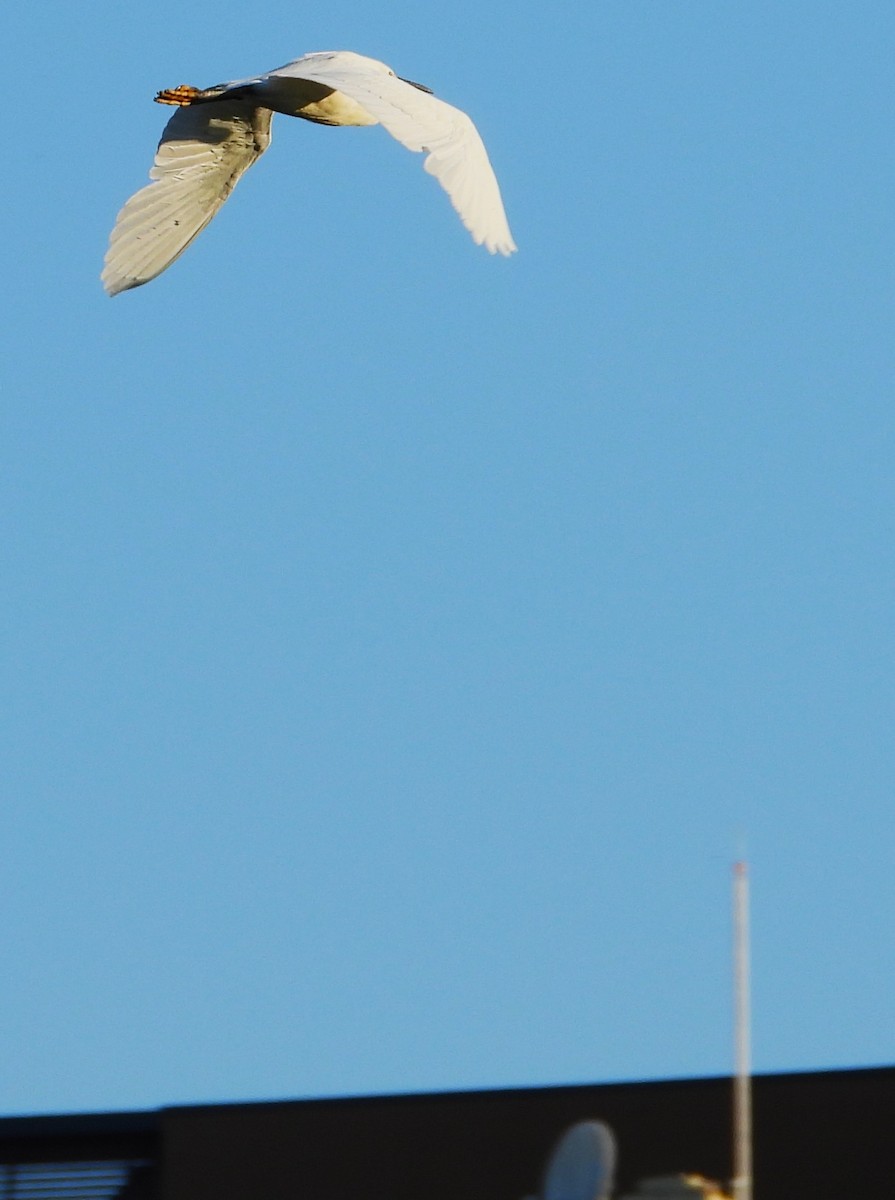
<point x="69" y="1181"/>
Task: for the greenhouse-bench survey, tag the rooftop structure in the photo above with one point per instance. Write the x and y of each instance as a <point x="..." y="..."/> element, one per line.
<point x="821" y="1134"/>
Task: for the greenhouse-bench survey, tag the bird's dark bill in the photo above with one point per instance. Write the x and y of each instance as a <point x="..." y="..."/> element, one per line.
<point x="422" y="87"/>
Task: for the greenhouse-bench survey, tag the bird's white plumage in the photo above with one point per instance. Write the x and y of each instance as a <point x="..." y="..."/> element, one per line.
<point x="456" y="155"/>
<point x="204" y="150"/>
<point x="209" y="143"/>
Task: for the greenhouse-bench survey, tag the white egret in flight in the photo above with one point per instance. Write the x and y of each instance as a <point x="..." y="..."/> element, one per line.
<point x="219" y="132"/>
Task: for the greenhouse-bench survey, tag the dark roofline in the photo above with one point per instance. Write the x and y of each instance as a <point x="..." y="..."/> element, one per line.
<point x="615" y="1087"/>
<point x="147" y="1121"/>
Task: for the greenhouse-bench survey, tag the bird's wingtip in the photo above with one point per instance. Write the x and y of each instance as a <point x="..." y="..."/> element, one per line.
<point x="502" y="245"/>
<point x="113" y="285"/>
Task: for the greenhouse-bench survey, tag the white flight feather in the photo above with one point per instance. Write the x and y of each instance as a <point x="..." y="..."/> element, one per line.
<point x="204" y="150"/>
<point x="456" y="155"/>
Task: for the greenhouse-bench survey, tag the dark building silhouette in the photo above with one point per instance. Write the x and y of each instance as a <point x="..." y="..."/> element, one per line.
<point x="823" y="1135"/>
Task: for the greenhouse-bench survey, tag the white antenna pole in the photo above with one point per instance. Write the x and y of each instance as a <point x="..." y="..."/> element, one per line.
<point x="742" y="1083"/>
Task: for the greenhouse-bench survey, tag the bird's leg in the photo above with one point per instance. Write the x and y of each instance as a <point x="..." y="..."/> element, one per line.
<point x="181" y="95"/>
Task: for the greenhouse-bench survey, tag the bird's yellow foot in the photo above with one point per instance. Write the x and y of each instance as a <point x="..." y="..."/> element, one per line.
<point x="181" y="95"/>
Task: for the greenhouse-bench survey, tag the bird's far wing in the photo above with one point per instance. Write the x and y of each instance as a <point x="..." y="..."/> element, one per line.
<point x="204" y="150"/>
<point x="456" y="155"/>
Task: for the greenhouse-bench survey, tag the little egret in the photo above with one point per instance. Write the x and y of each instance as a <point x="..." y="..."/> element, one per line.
<point x="217" y="133"/>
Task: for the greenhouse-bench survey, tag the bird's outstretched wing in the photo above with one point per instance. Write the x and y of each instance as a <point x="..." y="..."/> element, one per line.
<point x="204" y="150"/>
<point x="456" y="155"/>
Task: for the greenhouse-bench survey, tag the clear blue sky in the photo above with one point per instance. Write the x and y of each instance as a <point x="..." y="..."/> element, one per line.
<point x="400" y="642"/>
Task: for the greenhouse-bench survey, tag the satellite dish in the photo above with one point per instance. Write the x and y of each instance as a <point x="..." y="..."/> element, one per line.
<point x="582" y="1165"/>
